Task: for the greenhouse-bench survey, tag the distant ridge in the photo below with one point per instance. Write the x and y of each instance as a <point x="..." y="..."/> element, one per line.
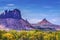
<point x="46" y="25"/>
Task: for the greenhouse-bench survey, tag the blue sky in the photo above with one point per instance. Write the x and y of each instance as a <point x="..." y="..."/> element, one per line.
<point x="35" y="10"/>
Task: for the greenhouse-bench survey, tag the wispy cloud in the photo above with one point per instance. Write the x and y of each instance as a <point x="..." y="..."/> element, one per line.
<point x="10" y="4"/>
<point x="54" y="10"/>
<point x="55" y="20"/>
<point x="47" y="6"/>
<point x="34" y="20"/>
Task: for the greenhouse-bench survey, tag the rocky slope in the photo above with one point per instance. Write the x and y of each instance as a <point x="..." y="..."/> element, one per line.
<point x="46" y="25"/>
<point x="12" y="20"/>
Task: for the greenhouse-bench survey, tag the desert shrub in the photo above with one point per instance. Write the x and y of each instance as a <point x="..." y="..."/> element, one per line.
<point x="29" y="35"/>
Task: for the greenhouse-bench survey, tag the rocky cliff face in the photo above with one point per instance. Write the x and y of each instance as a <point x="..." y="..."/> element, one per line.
<point x="13" y="20"/>
<point x="15" y="14"/>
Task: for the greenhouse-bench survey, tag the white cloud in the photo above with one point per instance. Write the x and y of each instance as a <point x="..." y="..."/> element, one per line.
<point x="55" y="21"/>
<point x="43" y="15"/>
<point x="8" y="7"/>
<point x="10" y="4"/>
<point x="34" y="20"/>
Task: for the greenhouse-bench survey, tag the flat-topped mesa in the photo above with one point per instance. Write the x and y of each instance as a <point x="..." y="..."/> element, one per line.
<point x="16" y="14"/>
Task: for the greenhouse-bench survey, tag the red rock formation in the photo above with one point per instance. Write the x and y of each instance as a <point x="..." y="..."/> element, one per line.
<point x="46" y="24"/>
